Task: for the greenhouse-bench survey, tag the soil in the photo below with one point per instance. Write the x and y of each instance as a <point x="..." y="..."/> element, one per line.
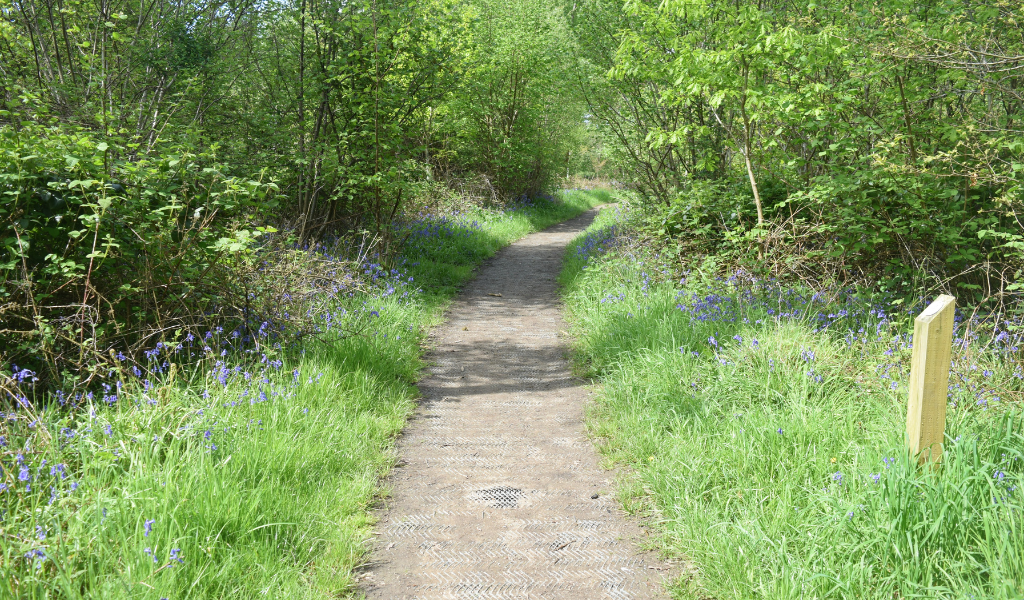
<point x="498" y="492"/>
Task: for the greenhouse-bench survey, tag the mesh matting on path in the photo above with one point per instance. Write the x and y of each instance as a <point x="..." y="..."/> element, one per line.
<point x="499" y="494"/>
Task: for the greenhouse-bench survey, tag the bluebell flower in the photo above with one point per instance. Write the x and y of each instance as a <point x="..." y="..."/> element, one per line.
<point x="37" y="553"/>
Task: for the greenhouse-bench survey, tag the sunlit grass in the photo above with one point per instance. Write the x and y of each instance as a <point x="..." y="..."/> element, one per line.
<point x="764" y="430"/>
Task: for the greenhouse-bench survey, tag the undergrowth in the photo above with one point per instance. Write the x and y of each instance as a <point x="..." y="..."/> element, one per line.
<point x="763" y="424"/>
<point x="234" y="468"/>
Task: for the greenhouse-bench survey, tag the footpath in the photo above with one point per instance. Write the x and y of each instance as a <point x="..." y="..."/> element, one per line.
<point x="498" y="493"/>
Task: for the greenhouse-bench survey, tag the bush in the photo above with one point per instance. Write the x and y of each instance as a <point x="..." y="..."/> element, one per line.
<point x="102" y="254"/>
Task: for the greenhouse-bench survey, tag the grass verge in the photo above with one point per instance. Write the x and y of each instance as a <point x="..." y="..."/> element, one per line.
<point x="252" y="476"/>
<point x="763" y="426"/>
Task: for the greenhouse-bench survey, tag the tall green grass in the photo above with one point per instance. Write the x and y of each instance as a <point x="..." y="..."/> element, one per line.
<point x="768" y="450"/>
<point x="250" y="477"/>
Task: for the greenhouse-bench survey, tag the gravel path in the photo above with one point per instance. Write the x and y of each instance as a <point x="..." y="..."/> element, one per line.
<point x="498" y="493"/>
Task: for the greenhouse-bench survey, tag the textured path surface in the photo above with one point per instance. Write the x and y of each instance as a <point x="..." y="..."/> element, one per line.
<point x="499" y="494"/>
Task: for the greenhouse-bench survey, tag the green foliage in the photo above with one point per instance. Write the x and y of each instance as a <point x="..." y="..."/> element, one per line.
<point x="370" y="76"/>
<point x="515" y="120"/>
<point x="624" y="107"/>
<point x="90" y="237"/>
<point x="143" y="149"/>
<point x="868" y="131"/>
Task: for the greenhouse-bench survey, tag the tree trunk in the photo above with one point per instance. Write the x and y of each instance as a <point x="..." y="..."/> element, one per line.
<point x="746" y="159"/>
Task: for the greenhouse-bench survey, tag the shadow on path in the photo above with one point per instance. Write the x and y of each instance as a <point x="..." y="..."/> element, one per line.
<point x="500" y="494"/>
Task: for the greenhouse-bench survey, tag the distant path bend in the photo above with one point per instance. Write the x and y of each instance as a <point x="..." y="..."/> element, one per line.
<point x="499" y="494"/>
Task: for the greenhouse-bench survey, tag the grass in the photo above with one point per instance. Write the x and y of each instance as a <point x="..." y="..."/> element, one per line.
<point x="252" y="476"/>
<point x="763" y="428"/>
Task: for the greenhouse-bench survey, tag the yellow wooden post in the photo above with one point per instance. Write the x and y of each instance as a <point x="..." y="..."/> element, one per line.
<point x="929" y="379"/>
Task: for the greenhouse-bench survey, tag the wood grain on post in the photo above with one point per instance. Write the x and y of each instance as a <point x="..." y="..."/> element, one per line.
<point x="929" y="379"/>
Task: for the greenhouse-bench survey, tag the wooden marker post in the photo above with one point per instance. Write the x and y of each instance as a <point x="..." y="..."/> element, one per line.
<point x="929" y="379"/>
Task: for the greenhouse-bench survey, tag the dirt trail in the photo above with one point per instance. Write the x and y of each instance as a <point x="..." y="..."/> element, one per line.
<point x="499" y="493"/>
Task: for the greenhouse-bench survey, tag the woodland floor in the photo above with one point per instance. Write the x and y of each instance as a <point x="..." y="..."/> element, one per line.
<point x="498" y="492"/>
